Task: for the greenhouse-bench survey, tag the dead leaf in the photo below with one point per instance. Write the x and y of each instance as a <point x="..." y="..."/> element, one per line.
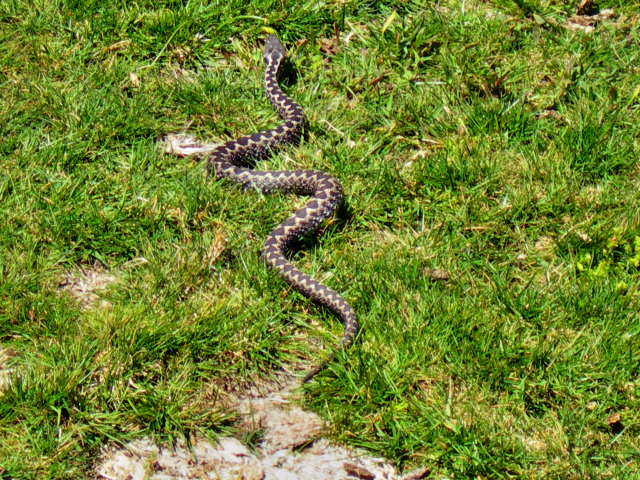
<point x="121" y="45"/>
<point x="389" y="21"/>
<point x="615" y="423"/>
<point x="583" y="236"/>
<point x="135" y="81"/>
<point x="613" y="419"/>
<point x="376" y="80"/>
<point x="329" y="47"/>
<point x="418" y="474"/>
<point x="437" y="274"/>
<point x="358" y="472"/>
<point x="550" y="114"/>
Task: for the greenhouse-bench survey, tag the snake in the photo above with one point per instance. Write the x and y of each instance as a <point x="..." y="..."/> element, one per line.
<point x="233" y="161"/>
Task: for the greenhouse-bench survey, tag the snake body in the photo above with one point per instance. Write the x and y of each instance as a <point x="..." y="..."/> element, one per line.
<point x="230" y="161"/>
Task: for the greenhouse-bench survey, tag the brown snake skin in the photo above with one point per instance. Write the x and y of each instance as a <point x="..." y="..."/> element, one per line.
<point x="229" y="161"/>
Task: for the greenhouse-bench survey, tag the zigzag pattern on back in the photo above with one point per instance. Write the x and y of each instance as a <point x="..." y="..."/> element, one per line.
<point x="230" y="161"/>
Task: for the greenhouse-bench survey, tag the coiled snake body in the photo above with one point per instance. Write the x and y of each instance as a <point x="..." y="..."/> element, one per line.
<point x="229" y="161"/>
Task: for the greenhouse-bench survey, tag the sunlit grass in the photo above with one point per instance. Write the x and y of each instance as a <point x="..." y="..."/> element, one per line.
<point x="494" y="140"/>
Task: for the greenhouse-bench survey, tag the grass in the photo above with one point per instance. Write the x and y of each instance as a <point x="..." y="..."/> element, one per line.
<point x="486" y="138"/>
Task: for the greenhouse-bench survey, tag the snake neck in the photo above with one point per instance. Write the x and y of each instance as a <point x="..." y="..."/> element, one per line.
<point x="289" y="110"/>
<point x="242" y="151"/>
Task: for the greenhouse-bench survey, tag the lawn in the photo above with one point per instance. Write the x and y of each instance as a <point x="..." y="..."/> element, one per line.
<point x="489" y="242"/>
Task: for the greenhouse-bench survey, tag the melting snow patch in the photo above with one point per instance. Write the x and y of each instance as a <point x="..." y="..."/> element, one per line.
<point x="286" y="429"/>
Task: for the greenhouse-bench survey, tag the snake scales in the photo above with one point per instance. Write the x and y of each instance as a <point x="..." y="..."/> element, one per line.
<point x="230" y="161"/>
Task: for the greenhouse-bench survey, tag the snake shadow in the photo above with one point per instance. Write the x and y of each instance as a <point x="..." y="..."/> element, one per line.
<point x="288" y="77"/>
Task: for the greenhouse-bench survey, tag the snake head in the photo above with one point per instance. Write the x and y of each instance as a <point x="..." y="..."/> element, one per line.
<point x="273" y="50"/>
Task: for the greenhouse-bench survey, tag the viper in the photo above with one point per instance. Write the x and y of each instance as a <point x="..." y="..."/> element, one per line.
<point x="232" y="161"/>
